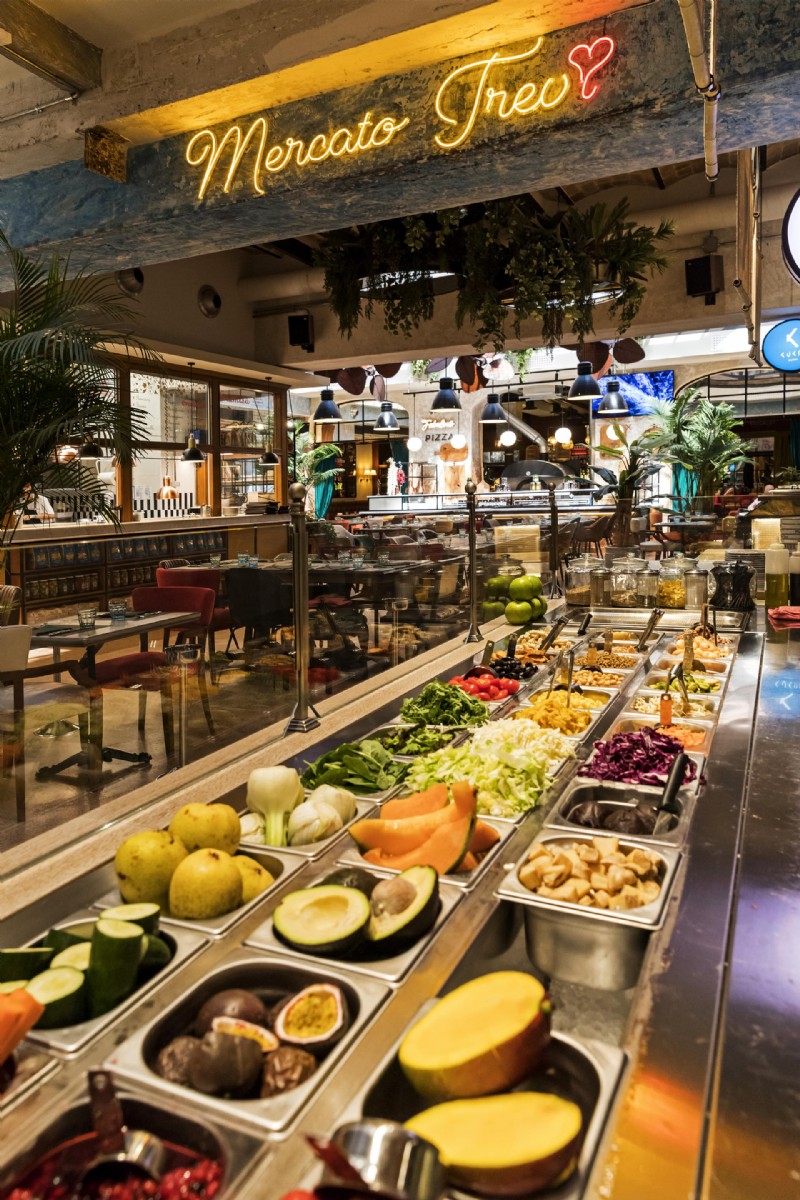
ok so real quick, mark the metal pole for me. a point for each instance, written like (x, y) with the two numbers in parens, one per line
(300, 721)
(473, 633)
(554, 589)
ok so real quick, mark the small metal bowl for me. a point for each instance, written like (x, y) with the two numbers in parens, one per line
(394, 1163)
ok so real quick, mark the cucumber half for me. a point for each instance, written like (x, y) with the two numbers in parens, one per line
(71, 935)
(145, 915)
(157, 954)
(76, 956)
(116, 951)
(62, 991)
(24, 963)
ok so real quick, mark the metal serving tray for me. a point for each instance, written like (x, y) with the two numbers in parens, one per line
(279, 863)
(468, 880)
(32, 1067)
(716, 667)
(596, 948)
(674, 619)
(594, 714)
(73, 1038)
(659, 676)
(614, 796)
(709, 700)
(172, 1122)
(391, 970)
(651, 789)
(272, 976)
(633, 722)
(457, 730)
(585, 1072)
(364, 808)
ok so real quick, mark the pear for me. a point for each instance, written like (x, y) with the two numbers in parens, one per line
(144, 865)
(255, 878)
(206, 884)
(207, 827)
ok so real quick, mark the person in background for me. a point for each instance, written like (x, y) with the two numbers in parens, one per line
(32, 505)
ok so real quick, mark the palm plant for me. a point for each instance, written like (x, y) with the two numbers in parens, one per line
(636, 466)
(307, 464)
(699, 437)
(56, 384)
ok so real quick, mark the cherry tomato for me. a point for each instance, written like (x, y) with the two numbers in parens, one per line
(493, 694)
(512, 686)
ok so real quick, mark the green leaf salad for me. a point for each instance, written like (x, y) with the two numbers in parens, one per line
(444, 704)
(509, 763)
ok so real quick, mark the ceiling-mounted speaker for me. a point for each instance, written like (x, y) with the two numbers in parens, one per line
(301, 331)
(705, 276)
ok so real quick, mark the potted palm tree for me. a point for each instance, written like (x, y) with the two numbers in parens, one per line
(56, 383)
(636, 465)
(310, 464)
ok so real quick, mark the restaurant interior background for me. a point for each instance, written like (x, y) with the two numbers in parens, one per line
(386, 253)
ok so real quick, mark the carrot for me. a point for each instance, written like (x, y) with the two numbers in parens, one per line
(19, 1012)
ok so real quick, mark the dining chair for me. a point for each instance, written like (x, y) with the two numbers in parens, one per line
(147, 670)
(10, 604)
(26, 704)
(202, 577)
(169, 563)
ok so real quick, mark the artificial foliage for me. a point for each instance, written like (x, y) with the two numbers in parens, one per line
(509, 260)
(700, 436)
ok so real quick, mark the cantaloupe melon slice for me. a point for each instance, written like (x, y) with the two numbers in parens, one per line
(504, 1145)
(401, 836)
(444, 850)
(417, 804)
(486, 1036)
(483, 837)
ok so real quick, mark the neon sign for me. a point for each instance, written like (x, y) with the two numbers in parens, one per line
(470, 92)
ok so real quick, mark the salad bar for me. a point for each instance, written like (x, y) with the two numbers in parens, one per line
(493, 912)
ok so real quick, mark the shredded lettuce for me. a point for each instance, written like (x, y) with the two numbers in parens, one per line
(509, 763)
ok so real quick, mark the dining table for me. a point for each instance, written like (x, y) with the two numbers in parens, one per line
(685, 527)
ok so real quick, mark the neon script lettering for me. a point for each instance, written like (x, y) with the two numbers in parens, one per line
(206, 149)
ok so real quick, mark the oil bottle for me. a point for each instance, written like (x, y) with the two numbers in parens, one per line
(776, 570)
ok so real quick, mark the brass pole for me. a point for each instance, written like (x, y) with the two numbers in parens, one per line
(300, 721)
(473, 633)
(553, 590)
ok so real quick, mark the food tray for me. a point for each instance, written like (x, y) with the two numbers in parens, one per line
(260, 972)
(711, 668)
(33, 1066)
(633, 722)
(364, 808)
(618, 796)
(647, 788)
(661, 677)
(594, 714)
(585, 1072)
(458, 731)
(73, 1038)
(279, 863)
(391, 970)
(468, 880)
(709, 700)
(172, 1122)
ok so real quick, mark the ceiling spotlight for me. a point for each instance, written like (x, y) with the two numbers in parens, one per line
(585, 383)
(508, 437)
(445, 399)
(613, 403)
(386, 420)
(327, 411)
(493, 412)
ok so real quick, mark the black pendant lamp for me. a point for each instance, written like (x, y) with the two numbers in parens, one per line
(192, 453)
(89, 448)
(493, 412)
(268, 458)
(327, 411)
(613, 403)
(585, 383)
(386, 420)
(445, 399)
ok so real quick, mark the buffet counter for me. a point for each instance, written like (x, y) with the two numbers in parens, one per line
(663, 1070)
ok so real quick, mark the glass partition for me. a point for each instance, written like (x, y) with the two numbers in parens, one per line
(172, 408)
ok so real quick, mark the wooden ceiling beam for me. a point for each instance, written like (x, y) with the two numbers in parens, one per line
(38, 42)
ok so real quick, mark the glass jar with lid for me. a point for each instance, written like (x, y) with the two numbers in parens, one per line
(600, 587)
(696, 584)
(625, 573)
(648, 587)
(671, 583)
(579, 572)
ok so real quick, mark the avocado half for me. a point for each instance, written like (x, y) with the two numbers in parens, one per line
(329, 919)
(404, 907)
(351, 877)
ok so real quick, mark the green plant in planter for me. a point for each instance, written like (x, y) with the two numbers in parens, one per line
(307, 464)
(511, 262)
(636, 466)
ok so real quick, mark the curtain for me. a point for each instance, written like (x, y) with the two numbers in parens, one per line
(684, 486)
(323, 491)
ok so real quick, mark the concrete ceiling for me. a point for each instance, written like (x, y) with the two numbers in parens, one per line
(109, 23)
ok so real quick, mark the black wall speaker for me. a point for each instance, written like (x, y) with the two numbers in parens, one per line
(301, 331)
(705, 276)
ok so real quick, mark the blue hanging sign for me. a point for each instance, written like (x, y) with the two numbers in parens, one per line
(781, 346)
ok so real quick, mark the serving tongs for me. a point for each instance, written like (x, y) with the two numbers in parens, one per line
(703, 628)
(668, 806)
(484, 667)
(652, 621)
(584, 625)
(552, 634)
(675, 674)
(556, 670)
(569, 687)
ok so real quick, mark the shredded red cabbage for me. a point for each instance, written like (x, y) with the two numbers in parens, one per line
(642, 757)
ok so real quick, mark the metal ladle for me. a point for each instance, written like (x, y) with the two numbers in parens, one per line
(667, 805)
(676, 673)
(120, 1150)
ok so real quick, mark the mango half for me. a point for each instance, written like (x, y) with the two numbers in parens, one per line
(486, 1036)
(504, 1145)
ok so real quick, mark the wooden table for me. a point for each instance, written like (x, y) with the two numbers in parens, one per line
(685, 528)
(106, 630)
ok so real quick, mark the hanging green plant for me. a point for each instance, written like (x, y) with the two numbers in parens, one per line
(508, 261)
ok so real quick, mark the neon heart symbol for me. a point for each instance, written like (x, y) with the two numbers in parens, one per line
(588, 60)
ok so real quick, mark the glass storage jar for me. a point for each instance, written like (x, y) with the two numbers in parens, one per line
(671, 585)
(648, 587)
(600, 587)
(696, 584)
(579, 573)
(625, 588)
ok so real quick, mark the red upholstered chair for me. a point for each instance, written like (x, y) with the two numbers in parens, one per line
(202, 577)
(143, 668)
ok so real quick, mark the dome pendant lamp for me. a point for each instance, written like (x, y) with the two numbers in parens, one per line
(192, 453)
(445, 399)
(327, 411)
(613, 403)
(89, 448)
(585, 383)
(492, 412)
(386, 420)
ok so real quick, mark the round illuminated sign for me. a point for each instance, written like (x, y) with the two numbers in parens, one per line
(791, 237)
(781, 346)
